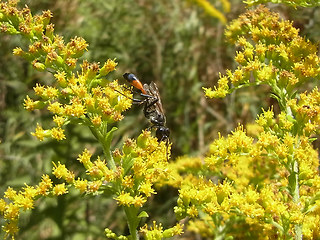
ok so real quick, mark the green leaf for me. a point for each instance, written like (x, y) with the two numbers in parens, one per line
(143, 214)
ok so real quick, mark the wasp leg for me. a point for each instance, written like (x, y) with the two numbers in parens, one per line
(134, 100)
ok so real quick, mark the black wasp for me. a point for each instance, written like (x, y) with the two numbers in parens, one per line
(152, 109)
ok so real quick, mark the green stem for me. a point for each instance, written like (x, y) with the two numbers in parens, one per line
(294, 182)
(133, 221)
(105, 139)
(296, 199)
(107, 148)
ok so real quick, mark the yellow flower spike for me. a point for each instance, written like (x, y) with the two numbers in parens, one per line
(30, 104)
(176, 230)
(3, 205)
(80, 90)
(18, 51)
(71, 63)
(40, 133)
(146, 189)
(143, 139)
(85, 159)
(10, 193)
(39, 66)
(58, 120)
(124, 199)
(128, 181)
(139, 167)
(44, 186)
(97, 91)
(237, 77)
(284, 122)
(78, 110)
(39, 90)
(129, 146)
(23, 202)
(117, 156)
(61, 79)
(58, 133)
(77, 46)
(50, 30)
(240, 58)
(12, 212)
(267, 140)
(10, 229)
(192, 211)
(95, 172)
(80, 184)
(61, 171)
(154, 233)
(56, 108)
(116, 117)
(139, 201)
(109, 66)
(96, 121)
(59, 189)
(29, 191)
(94, 186)
(91, 72)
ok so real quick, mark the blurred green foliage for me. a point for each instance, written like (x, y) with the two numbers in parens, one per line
(173, 43)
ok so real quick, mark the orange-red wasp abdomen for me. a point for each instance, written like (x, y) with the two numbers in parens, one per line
(134, 81)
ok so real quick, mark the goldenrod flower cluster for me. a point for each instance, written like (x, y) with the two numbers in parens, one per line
(271, 51)
(266, 185)
(86, 95)
(156, 232)
(254, 187)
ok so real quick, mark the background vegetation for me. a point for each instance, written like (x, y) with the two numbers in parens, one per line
(175, 43)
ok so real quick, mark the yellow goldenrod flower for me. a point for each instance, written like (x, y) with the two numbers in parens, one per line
(45, 185)
(146, 188)
(59, 189)
(128, 181)
(30, 104)
(55, 108)
(11, 228)
(40, 133)
(139, 201)
(85, 159)
(81, 185)
(109, 66)
(155, 232)
(94, 186)
(192, 211)
(96, 121)
(2, 205)
(24, 202)
(58, 120)
(18, 51)
(58, 133)
(61, 171)
(12, 212)
(10, 193)
(124, 199)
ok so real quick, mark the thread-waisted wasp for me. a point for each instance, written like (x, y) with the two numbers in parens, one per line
(152, 109)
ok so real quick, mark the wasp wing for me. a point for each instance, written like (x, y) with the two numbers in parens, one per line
(155, 92)
(152, 90)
